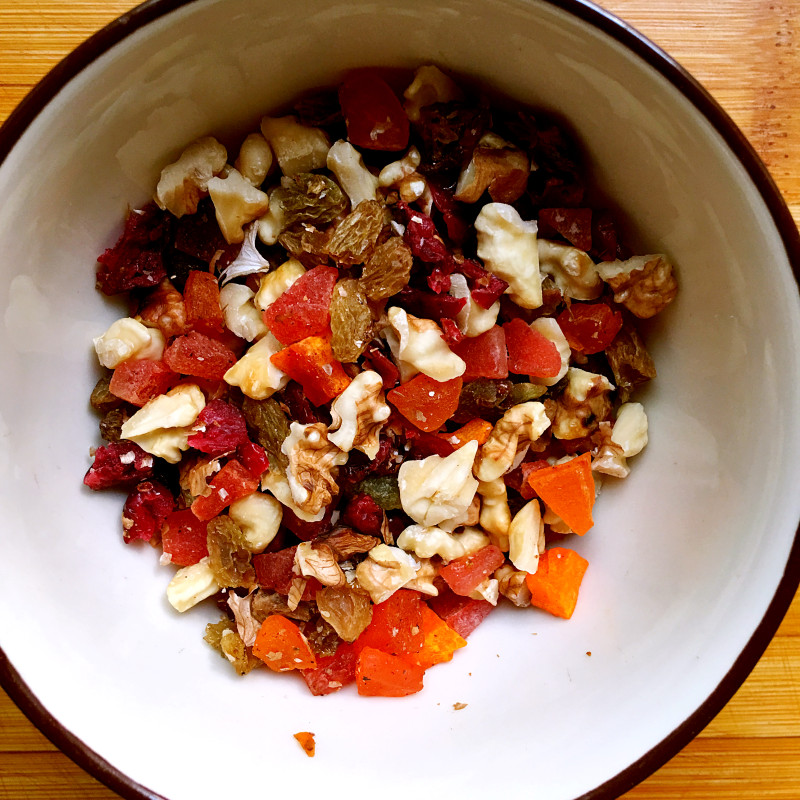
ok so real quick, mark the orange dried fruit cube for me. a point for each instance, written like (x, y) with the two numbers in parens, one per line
(555, 585)
(379, 674)
(568, 490)
(440, 641)
(426, 403)
(280, 644)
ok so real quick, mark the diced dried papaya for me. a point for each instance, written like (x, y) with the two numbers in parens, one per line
(484, 355)
(333, 672)
(530, 352)
(476, 430)
(425, 402)
(567, 489)
(380, 674)
(307, 742)
(440, 641)
(555, 585)
(138, 380)
(203, 308)
(231, 483)
(462, 614)
(199, 355)
(183, 538)
(375, 117)
(589, 327)
(464, 574)
(280, 644)
(396, 625)
(311, 363)
(304, 309)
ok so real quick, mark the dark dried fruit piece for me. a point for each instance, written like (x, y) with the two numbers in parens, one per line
(111, 424)
(223, 637)
(355, 237)
(145, 510)
(421, 235)
(309, 197)
(364, 515)
(228, 556)
(348, 612)
(482, 398)
(384, 490)
(219, 428)
(387, 270)
(629, 361)
(102, 399)
(351, 321)
(118, 464)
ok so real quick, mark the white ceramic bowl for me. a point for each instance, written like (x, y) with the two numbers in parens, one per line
(694, 558)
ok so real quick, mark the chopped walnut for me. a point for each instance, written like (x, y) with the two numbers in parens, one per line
(511, 583)
(427, 541)
(313, 465)
(297, 147)
(572, 270)
(385, 570)
(236, 203)
(435, 489)
(403, 176)
(277, 483)
(164, 308)
(511, 436)
(185, 182)
(358, 414)
(430, 86)
(645, 285)
(347, 164)
(317, 560)
(630, 429)
(496, 166)
(423, 581)
(247, 625)
(488, 589)
(255, 159)
(473, 319)
(582, 405)
(495, 516)
(609, 458)
(296, 589)
(195, 472)
(524, 535)
(471, 516)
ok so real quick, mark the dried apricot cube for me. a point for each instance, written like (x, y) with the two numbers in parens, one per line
(396, 625)
(555, 585)
(280, 644)
(203, 308)
(425, 402)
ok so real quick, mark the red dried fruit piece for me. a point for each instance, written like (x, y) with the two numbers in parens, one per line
(485, 354)
(200, 356)
(462, 614)
(138, 380)
(254, 457)
(377, 360)
(118, 464)
(184, 538)
(485, 287)
(333, 672)
(589, 327)
(382, 675)
(298, 406)
(464, 574)
(530, 352)
(573, 224)
(364, 515)
(219, 428)
(203, 309)
(396, 625)
(274, 570)
(426, 403)
(421, 235)
(422, 444)
(145, 510)
(448, 206)
(604, 236)
(198, 234)
(304, 309)
(136, 261)
(517, 479)
(429, 305)
(310, 362)
(450, 332)
(375, 117)
(307, 530)
(231, 483)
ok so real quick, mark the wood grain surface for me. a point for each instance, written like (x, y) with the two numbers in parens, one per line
(747, 54)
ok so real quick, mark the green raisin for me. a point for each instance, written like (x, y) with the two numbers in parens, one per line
(355, 237)
(228, 556)
(351, 321)
(522, 393)
(309, 197)
(224, 638)
(482, 398)
(271, 426)
(111, 424)
(102, 399)
(384, 490)
(387, 269)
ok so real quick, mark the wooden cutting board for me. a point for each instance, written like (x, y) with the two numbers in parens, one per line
(747, 53)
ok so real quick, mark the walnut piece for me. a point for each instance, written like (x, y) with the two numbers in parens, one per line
(254, 373)
(357, 182)
(511, 583)
(426, 542)
(495, 516)
(572, 270)
(496, 166)
(236, 203)
(297, 147)
(247, 626)
(385, 570)
(358, 414)
(423, 581)
(184, 182)
(609, 457)
(317, 560)
(255, 159)
(582, 405)
(511, 436)
(525, 535)
(630, 429)
(435, 489)
(164, 309)
(473, 319)
(430, 86)
(313, 466)
(645, 285)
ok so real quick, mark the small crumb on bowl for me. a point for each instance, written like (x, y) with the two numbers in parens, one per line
(307, 742)
(459, 706)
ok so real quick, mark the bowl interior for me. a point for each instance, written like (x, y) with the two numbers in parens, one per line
(685, 556)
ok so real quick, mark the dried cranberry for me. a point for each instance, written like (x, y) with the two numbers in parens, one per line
(421, 235)
(145, 510)
(118, 464)
(447, 205)
(136, 260)
(377, 360)
(359, 466)
(307, 530)
(428, 305)
(198, 235)
(452, 334)
(298, 405)
(485, 287)
(220, 427)
(254, 457)
(572, 224)
(363, 514)
(604, 236)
